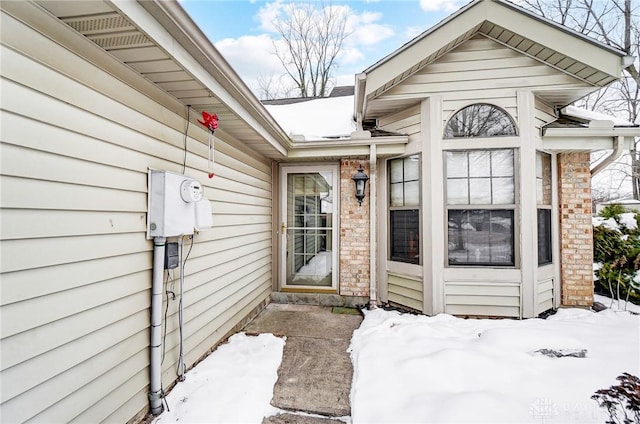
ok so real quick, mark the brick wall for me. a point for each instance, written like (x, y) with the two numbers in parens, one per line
(354, 232)
(576, 235)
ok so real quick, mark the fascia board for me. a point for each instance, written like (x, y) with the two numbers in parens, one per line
(385, 146)
(581, 144)
(412, 53)
(583, 133)
(546, 33)
(168, 42)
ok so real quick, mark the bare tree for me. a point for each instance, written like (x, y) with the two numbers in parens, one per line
(311, 38)
(617, 24)
(273, 86)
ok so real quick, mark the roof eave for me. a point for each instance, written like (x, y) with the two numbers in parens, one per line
(179, 24)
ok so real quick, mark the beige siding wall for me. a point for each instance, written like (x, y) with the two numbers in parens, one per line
(484, 299)
(544, 115)
(76, 266)
(480, 70)
(405, 122)
(544, 290)
(405, 291)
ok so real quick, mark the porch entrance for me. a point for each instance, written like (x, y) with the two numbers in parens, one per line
(308, 227)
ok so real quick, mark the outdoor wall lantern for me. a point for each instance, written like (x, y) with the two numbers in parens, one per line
(361, 181)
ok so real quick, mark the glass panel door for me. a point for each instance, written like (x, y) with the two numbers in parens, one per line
(308, 234)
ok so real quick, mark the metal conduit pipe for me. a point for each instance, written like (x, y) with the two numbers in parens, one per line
(617, 152)
(181, 366)
(155, 354)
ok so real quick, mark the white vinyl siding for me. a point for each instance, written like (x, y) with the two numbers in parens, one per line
(405, 122)
(405, 291)
(544, 290)
(484, 299)
(76, 265)
(480, 70)
(544, 115)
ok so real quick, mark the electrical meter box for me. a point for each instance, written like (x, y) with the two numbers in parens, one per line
(172, 204)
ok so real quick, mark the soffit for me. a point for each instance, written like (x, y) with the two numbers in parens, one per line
(108, 28)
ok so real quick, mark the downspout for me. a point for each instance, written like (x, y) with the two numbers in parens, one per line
(617, 152)
(373, 247)
(155, 355)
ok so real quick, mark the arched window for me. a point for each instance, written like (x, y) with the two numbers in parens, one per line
(480, 120)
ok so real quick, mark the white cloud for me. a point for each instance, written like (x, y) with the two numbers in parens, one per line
(268, 14)
(438, 5)
(250, 56)
(350, 55)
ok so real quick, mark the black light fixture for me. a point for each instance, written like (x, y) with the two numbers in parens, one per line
(361, 181)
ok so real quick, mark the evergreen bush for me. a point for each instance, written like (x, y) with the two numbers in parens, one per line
(616, 250)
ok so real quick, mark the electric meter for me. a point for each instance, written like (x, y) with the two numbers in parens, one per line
(191, 191)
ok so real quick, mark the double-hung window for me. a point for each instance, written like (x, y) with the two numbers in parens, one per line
(404, 209)
(543, 197)
(481, 207)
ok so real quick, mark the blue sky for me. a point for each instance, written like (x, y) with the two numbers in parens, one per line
(241, 30)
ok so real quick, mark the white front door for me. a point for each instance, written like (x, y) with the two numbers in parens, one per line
(309, 219)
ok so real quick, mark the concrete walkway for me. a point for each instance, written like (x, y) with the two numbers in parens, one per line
(316, 372)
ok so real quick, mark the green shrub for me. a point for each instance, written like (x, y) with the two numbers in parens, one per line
(618, 252)
(612, 211)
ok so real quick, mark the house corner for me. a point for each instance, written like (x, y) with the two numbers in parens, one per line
(354, 233)
(576, 233)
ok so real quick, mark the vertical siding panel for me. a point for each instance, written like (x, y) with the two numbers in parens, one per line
(76, 264)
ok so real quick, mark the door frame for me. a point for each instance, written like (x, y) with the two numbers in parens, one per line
(286, 169)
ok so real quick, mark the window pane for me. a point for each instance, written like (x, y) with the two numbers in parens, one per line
(411, 168)
(396, 171)
(502, 163)
(405, 236)
(544, 237)
(457, 192)
(480, 120)
(481, 237)
(503, 191)
(397, 196)
(543, 178)
(456, 164)
(412, 193)
(480, 191)
(539, 165)
(404, 181)
(539, 191)
(479, 164)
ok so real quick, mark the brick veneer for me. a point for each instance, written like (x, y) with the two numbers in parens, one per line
(576, 234)
(354, 232)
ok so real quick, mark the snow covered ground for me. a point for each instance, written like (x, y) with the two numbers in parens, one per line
(444, 369)
(232, 385)
(440, 369)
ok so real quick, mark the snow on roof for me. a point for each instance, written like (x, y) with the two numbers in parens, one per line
(621, 202)
(590, 115)
(317, 119)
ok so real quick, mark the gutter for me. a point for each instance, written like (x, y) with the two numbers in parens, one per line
(617, 152)
(386, 146)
